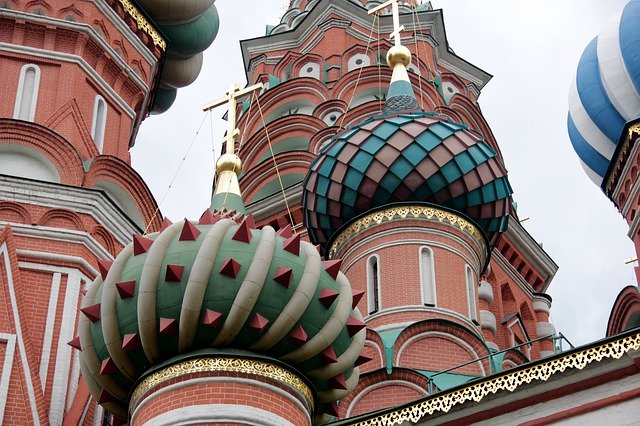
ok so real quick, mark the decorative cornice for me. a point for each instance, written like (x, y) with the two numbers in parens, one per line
(507, 382)
(627, 143)
(403, 212)
(144, 24)
(221, 365)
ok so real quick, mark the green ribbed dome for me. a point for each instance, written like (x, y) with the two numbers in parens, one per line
(219, 284)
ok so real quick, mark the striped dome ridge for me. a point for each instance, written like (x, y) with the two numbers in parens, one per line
(405, 157)
(605, 94)
(219, 283)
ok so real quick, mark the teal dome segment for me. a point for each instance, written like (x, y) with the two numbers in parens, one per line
(193, 37)
(262, 292)
(407, 157)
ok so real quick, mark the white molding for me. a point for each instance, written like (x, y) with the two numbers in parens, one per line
(472, 299)
(73, 382)
(5, 377)
(78, 60)
(432, 284)
(93, 202)
(488, 321)
(20, 92)
(4, 252)
(97, 414)
(371, 308)
(45, 358)
(36, 255)
(224, 413)
(64, 352)
(98, 124)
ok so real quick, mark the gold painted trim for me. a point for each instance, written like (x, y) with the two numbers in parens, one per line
(621, 159)
(508, 382)
(417, 212)
(227, 365)
(143, 24)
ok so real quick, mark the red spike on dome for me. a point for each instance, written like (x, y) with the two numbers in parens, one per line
(258, 323)
(250, 221)
(327, 297)
(243, 233)
(332, 267)
(130, 342)
(141, 244)
(331, 409)
(357, 296)
(126, 289)
(283, 276)
(285, 232)
(211, 318)
(165, 224)
(207, 218)
(104, 266)
(189, 232)
(168, 326)
(354, 325)
(108, 367)
(174, 273)
(104, 397)
(75, 343)
(298, 335)
(92, 312)
(292, 245)
(328, 356)
(338, 382)
(230, 268)
(362, 359)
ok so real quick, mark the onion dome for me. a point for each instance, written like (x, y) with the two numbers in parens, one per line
(219, 283)
(605, 94)
(190, 27)
(405, 155)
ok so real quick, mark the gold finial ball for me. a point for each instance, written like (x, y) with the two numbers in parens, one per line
(399, 55)
(229, 163)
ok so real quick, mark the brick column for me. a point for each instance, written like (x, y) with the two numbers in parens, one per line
(222, 390)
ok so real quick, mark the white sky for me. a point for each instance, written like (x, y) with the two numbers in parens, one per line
(532, 49)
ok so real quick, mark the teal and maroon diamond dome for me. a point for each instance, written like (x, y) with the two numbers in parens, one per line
(405, 156)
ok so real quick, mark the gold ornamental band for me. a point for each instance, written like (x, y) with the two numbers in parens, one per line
(621, 158)
(508, 382)
(143, 24)
(230, 365)
(417, 212)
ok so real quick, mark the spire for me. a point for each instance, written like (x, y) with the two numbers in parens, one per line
(400, 96)
(227, 190)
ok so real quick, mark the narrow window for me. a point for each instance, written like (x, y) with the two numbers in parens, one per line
(373, 284)
(427, 277)
(471, 293)
(99, 122)
(27, 94)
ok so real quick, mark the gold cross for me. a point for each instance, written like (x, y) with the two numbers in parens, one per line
(232, 96)
(396, 19)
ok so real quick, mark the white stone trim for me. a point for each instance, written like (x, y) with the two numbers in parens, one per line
(378, 385)
(78, 60)
(470, 284)
(488, 321)
(225, 413)
(73, 382)
(97, 414)
(20, 92)
(416, 308)
(544, 329)
(443, 335)
(485, 292)
(377, 348)
(541, 304)
(36, 255)
(63, 359)
(205, 380)
(81, 200)
(371, 302)
(4, 251)
(49, 328)
(5, 377)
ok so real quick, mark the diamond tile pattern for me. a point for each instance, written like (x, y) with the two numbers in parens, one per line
(410, 157)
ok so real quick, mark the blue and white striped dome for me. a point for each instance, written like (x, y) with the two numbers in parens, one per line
(605, 94)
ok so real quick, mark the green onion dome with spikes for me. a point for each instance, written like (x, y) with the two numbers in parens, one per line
(190, 27)
(405, 155)
(220, 284)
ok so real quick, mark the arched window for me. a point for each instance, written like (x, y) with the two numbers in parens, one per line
(373, 284)
(99, 122)
(27, 94)
(358, 60)
(471, 293)
(427, 277)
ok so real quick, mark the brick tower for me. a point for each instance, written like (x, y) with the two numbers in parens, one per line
(78, 79)
(415, 204)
